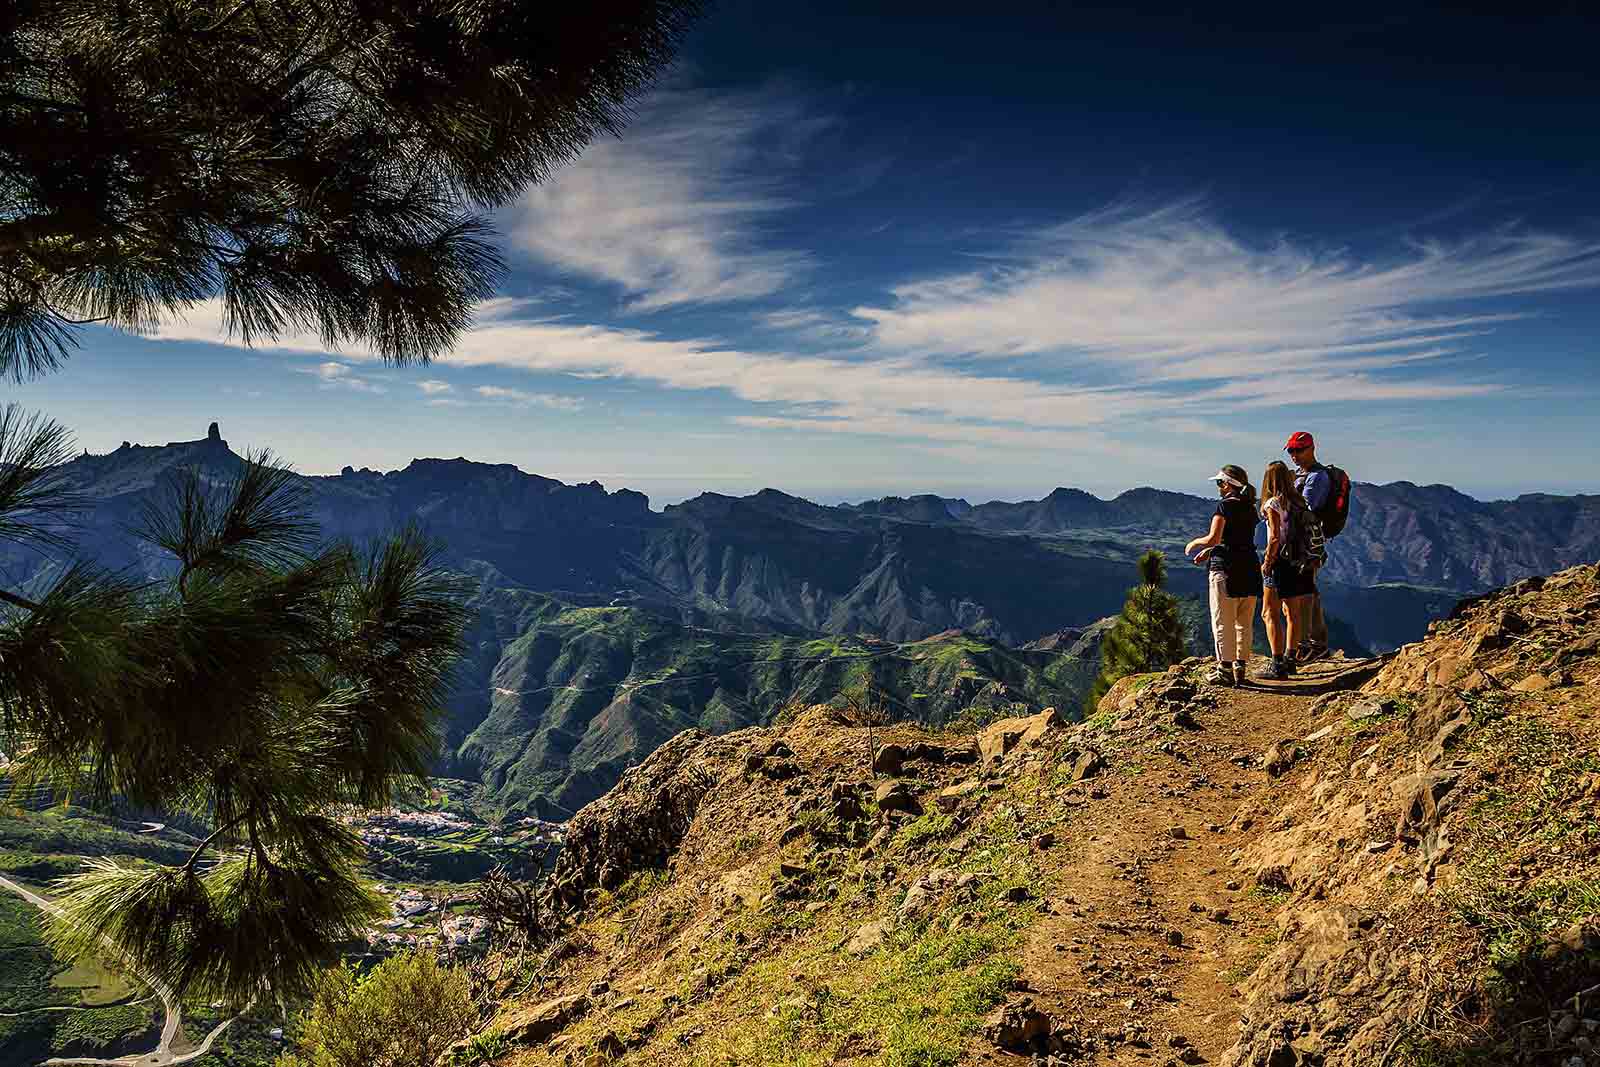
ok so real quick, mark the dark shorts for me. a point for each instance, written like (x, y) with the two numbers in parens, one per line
(1290, 581)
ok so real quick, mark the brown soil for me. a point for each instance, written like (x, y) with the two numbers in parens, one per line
(1106, 960)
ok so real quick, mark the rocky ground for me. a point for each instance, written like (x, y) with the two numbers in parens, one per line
(1378, 863)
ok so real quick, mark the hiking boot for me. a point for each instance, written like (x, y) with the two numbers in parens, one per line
(1279, 671)
(1239, 674)
(1220, 675)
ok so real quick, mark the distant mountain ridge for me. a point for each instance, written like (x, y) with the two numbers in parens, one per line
(1430, 535)
(898, 567)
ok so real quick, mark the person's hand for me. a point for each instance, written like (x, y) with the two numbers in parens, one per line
(1203, 555)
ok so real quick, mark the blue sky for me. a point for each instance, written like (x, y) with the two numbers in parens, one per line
(852, 249)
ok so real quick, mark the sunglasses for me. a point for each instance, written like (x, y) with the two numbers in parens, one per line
(1292, 451)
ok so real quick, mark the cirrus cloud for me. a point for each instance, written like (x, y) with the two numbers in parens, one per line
(1167, 294)
(526, 399)
(672, 212)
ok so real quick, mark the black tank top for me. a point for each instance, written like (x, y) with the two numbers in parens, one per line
(1238, 533)
(1236, 556)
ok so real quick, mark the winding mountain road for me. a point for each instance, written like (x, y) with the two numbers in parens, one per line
(171, 1030)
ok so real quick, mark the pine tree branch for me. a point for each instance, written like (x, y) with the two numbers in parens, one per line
(225, 19)
(19, 601)
(71, 321)
(256, 846)
(41, 102)
(218, 832)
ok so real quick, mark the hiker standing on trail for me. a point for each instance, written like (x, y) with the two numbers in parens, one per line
(1286, 582)
(1315, 487)
(1235, 573)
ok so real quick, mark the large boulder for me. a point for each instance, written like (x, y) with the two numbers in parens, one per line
(544, 1021)
(889, 759)
(638, 825)
(1018, 1028)
(951, 797)
(1086, 764)
(867, 938)
(895, 795)
(998, 740)
(925, 890)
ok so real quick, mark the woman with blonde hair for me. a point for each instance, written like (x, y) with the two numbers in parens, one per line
(1286, 584)
(1229, 549)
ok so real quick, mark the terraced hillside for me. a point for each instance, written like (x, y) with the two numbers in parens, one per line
(578, 694)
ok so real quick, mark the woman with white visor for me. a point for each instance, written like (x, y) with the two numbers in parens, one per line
(1235, 578)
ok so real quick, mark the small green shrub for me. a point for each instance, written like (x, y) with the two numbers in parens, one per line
(480, 1049)
(924, 829)
(404, 1013)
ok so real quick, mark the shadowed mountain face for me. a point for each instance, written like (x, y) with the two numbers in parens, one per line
(535, 531)
(898, 567)
(840, 571)
(1433, 535)
(604, 628)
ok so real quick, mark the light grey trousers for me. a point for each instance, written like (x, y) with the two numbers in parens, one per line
(1233, 621)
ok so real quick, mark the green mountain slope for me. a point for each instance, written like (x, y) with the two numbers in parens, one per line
(577, 694)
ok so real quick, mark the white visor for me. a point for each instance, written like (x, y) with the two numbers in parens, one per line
(1224, 476)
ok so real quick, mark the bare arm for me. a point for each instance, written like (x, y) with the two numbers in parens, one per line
(1211, 540)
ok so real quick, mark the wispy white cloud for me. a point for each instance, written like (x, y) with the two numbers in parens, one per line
(672, 211)
(860, 394)
(815, 325)
(435, 387)
(524, 398)
(1168, 295)
(334, 374)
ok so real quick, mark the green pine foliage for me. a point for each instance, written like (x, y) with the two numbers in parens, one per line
(1148, 634)
(268, 684)
(325, 166)
(404, 1013)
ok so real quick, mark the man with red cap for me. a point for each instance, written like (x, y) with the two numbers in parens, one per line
(1312, 479)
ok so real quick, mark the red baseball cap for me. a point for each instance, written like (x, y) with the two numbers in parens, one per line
(1299, 439)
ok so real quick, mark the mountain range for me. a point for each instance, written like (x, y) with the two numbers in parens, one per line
(1424, 535)
(604, 627)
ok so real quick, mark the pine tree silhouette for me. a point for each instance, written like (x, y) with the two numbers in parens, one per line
(270, 682)
(316, 166)
(1148, 634)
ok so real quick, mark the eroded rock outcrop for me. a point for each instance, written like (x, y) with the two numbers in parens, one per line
(1443, 821)
(638, 825)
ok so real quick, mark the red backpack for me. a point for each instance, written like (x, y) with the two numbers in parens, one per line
(1336, 509)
